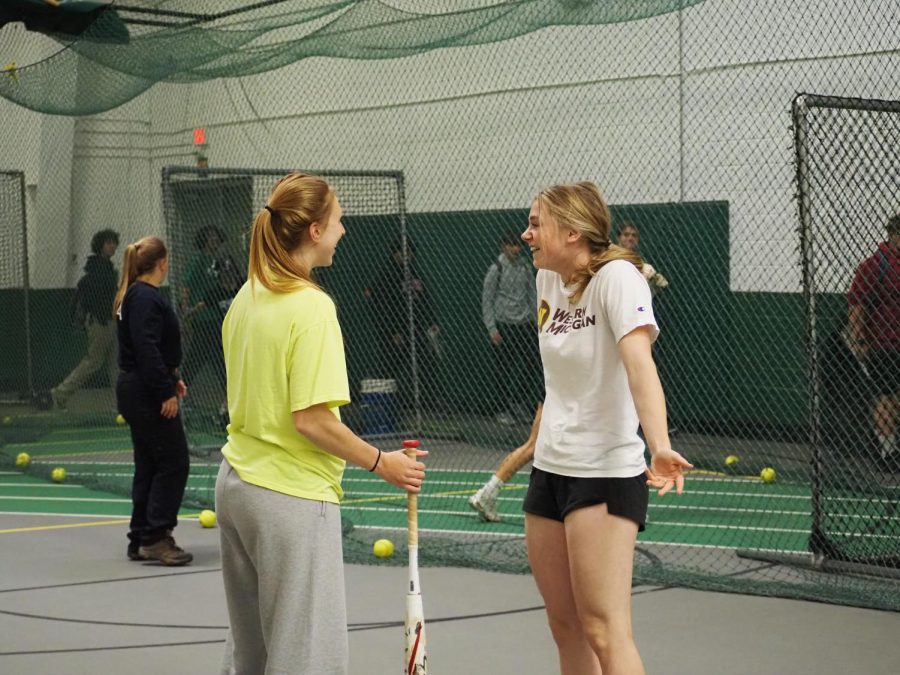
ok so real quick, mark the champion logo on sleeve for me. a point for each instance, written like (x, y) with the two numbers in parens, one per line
(640, 309)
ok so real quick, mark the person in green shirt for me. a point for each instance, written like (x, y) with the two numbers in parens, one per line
(210, 282)
(279, 486)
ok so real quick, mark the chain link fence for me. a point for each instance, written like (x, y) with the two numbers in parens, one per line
(14, 286)
(848, 176)
(437, 125)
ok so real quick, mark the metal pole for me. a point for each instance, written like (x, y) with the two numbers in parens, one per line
(26, 284)
(808, 266)
(680, 106)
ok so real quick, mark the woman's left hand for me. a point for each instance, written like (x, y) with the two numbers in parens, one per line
(666, 471)
(169, 407)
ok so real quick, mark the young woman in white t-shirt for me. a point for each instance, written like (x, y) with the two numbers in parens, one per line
(587, 496)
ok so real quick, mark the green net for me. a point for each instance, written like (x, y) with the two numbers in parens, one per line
(437, 122)
(132, 46)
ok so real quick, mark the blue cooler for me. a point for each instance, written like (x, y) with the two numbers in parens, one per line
(379, 411)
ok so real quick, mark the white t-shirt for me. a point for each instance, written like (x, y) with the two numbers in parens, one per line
(589, 425)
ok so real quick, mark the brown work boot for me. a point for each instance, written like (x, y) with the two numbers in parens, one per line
(167, 552)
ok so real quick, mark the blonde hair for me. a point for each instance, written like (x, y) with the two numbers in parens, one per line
(582, 208)
(140, 257)
(295, 203)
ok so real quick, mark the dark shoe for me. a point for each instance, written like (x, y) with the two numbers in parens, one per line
(166, 552)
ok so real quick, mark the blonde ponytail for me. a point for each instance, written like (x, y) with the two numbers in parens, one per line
(582, 207)
(140, 258)
(295, 203)
(600, 258)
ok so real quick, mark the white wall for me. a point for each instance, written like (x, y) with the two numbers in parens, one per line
(41, 147)
(113, 180)
(21, 127)
(485, 127)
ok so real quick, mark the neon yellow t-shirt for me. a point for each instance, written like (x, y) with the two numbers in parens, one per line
(283, 352)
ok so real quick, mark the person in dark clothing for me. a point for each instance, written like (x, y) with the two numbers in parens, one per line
(149, 391)
(93, 310)
(874, 322)
(212, 279)
(508, 309)
(397, 285)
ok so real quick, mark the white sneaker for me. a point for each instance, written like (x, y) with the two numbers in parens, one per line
(487, 508)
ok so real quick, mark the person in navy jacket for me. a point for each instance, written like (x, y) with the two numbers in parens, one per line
(149, 392)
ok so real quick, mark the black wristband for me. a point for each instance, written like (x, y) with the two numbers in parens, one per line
(377, 459)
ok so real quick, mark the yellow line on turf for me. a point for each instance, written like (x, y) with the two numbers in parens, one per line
(58, 514)
(84, 431)
(386, 498)
(63, 455)
(446, 493)
(78, 441)
(390, 498)
(63, 527)
(719, 474)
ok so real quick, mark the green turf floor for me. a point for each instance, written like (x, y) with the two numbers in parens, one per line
(716, 511)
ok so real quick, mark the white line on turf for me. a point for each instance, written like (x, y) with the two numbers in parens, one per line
(15, 485)
(17, 498)
(513, 535)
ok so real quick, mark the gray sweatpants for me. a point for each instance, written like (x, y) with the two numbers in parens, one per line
(282, 563)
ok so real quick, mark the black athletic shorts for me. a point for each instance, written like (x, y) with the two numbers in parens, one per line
(884, 368)
(553, 496)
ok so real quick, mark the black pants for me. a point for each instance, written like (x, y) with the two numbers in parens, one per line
(161, 463)
(520, 375)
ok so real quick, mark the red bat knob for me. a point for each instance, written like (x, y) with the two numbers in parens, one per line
(411, 443)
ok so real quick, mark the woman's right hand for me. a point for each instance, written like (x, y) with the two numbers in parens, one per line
(398, 469)
(170, 407)
(666, 471)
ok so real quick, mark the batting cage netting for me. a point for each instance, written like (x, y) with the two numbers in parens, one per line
(768, 220)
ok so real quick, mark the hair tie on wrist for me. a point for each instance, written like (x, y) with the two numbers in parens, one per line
(377, 459)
